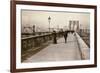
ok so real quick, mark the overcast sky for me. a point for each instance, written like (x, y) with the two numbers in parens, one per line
(61, 19)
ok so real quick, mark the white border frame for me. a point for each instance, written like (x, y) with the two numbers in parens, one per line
(20, 65)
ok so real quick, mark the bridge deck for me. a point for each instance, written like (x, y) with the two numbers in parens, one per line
(58, 52)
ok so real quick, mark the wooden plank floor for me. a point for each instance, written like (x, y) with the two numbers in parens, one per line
(58, 52)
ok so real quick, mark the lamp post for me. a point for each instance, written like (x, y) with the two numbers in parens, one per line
(33, 30)
(49, 19)
(74, 22)
(70, 22)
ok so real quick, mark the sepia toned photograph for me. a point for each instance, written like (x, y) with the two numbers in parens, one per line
(52, 36)
(48, 36)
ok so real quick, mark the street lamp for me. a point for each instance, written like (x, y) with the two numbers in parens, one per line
(33, 30)
(49, 19)
(74, 22)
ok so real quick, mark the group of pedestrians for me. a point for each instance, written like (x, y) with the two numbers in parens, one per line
(65, 34)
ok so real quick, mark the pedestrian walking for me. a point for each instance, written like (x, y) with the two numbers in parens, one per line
(65, 36)
(54, 37)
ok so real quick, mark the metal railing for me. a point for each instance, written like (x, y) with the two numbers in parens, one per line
(83, 48)
(37, 40)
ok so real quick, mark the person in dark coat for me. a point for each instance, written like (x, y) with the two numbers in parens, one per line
(54, 37)
(65, 36)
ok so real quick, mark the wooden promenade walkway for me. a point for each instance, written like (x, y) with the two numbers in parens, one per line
(58, 52)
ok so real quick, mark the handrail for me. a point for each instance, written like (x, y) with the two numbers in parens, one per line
(35, 36)
(84, 49)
